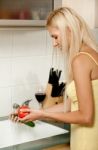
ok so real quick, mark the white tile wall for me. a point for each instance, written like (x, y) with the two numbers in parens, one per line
(5, 43)
(86, 9)
(25, 59)
(5, 101)
(5, 71)
(34, 42)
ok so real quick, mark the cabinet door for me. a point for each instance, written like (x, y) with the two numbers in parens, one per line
(24, 12)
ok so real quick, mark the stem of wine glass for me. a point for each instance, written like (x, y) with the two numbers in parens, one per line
(40, 105)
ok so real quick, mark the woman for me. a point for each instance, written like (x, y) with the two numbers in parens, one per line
(72, 36)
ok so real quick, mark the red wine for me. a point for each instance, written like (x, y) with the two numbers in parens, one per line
(40, 96)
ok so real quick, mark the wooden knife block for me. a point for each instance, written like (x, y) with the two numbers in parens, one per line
(49, 100)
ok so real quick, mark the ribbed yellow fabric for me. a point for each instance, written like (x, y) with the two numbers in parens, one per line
(83, 137)
(90, 56)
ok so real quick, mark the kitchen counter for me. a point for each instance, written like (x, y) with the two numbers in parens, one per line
(22, 137)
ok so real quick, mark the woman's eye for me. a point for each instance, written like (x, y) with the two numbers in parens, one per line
(55, 37)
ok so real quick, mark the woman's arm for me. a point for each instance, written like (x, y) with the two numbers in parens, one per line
(37, 113)
(85, 113)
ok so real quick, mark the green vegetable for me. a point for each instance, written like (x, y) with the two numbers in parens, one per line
(30, 123)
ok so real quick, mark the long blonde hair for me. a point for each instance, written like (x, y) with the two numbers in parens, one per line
(64, 18)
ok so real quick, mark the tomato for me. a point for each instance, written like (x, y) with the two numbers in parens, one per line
(22, 114)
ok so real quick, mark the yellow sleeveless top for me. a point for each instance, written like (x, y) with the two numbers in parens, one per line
(83, 137)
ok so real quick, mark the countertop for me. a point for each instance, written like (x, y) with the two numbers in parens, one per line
(45, 135)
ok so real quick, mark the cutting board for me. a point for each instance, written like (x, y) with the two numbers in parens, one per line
(12, 134)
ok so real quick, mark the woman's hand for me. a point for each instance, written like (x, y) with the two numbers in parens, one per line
(32, 115)
(14, 116)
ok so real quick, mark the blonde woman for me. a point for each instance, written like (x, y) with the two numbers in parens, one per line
(72, 36)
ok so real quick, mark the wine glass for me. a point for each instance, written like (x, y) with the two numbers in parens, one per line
(40, 95)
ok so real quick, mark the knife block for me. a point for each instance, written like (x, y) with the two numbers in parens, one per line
(49, 100)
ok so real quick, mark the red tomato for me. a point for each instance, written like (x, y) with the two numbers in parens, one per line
(22, 114)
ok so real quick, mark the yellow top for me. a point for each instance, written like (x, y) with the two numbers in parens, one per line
(89, 55)
(84, 137)
(71, 92)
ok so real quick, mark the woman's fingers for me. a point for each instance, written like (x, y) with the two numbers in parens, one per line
(26, 118)
(14, 117)
(31, 116)
(25, 110)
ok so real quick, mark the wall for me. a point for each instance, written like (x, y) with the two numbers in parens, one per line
(25, 59)
(86, 8)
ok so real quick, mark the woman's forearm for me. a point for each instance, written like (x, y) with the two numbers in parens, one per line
(75, 117)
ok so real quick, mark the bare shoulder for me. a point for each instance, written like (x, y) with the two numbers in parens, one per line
(81, 66)
(81, 61)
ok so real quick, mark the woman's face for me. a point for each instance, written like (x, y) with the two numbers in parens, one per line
(56, 37)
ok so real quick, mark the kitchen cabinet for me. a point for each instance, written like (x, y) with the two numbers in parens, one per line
(26, 12)
(34, 12)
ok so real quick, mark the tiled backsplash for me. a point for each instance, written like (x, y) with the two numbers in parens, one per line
(25, 59)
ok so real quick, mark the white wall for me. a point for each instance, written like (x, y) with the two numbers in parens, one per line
(25, 59)
(86, 8)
